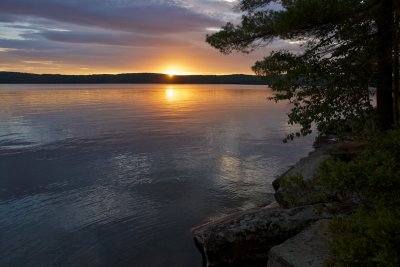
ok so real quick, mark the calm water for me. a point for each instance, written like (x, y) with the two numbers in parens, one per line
(116, 175)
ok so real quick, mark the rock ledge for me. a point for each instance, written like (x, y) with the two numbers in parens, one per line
(283, 234)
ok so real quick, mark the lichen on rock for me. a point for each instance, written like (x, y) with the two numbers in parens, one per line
(244, 238)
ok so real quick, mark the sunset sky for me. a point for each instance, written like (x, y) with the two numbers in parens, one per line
(118, 36)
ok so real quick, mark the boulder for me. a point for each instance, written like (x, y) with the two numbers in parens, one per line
(307, 249)
(294, 192)
(293, 188)
(244, 238)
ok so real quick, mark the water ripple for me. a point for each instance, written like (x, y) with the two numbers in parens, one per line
(116, 175)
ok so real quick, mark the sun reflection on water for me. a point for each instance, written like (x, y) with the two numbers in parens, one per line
(173, 94)
(170, 94)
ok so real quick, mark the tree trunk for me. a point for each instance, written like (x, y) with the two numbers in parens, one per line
(384, 96)
(396, 69)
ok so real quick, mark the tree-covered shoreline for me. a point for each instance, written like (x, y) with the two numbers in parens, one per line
(29, 78)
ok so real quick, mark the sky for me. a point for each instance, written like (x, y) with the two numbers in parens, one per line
(119, 36)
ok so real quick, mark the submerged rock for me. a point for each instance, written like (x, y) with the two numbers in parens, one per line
(307, 249)
(244, 238)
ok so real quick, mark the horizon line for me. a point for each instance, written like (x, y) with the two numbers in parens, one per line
(122, 73)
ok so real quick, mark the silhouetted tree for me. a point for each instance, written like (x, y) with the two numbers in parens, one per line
(347, 47)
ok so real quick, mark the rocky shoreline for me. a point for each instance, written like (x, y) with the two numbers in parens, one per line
(291, 231)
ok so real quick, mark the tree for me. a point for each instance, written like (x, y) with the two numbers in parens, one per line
(396, 62)
(347, 48)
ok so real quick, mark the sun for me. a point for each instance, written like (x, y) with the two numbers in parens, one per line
(172, 72)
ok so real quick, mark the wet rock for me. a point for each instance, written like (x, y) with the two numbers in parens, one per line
(244, 238)
(307, 249)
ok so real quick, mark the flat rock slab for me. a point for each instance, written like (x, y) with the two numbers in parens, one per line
(306, 249)
(244, 238)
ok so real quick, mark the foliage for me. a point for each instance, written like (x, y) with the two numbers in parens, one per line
(294, 180)
(343, 52)
(290, 185)
(295, 188)
(319, 91)
(374, 174)
(369, 184)
(371, 235)
(366, 238)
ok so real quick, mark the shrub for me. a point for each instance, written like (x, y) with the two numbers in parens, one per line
(370, 236)
(374, 174)
(366, 238)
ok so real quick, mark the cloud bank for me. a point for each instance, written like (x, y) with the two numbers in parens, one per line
(93, 36)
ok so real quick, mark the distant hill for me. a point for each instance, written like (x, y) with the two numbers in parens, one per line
(28, 78)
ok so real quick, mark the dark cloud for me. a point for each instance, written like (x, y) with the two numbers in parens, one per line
(115, 36)
(148, 17)
(29, 45)
(107, 38)
(6, 18)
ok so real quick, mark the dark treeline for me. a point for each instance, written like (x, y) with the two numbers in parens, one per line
(28, 78)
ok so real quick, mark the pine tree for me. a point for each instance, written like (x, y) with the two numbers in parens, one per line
(348, 47)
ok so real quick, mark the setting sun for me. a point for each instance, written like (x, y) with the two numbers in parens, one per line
(173, 71)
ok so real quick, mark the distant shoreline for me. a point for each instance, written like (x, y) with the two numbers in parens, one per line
(128, 78)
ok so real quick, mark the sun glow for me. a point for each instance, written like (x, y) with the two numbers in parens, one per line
(173, 71)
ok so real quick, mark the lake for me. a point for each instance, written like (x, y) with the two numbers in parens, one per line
(117, 175)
